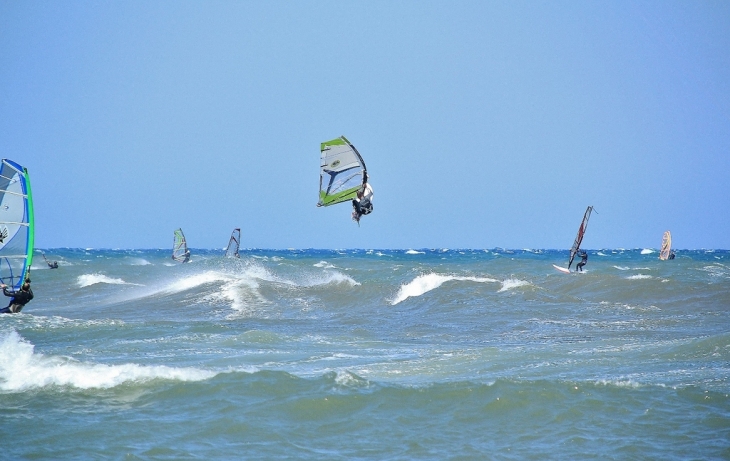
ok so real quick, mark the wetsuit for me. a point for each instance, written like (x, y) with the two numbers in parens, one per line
(18, 300)
(364, 205)
(583, 261)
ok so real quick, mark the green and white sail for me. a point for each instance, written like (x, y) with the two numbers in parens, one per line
(16, 224)
(180, 247)
(342, 172)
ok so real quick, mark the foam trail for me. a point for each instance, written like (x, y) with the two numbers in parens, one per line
(427, 282)
(22, 369)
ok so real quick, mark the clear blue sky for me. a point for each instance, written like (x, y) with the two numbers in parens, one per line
(483, 124)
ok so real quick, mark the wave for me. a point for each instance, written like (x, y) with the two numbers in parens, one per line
(21, 369)
(510, 284)
(92, 279)
(639, 277)
(414, 252)
(139, 262)
(427, 282)
(647, 251)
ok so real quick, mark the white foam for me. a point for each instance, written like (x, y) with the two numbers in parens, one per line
(600, 253)
(324, 264)
(22, 369)
(647, 251)
(196, 280)
(414, 252)
(427, 282)
(621, 268)
(639, 277)
(328, 277)
(92, 279)
(509, 284)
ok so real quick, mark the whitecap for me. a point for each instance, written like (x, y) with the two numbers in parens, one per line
(513, 283)
(427, 282)
(647, 251)
(414, 252)
(638, 277)
(92, 279)
(21, 369)
(324, 264)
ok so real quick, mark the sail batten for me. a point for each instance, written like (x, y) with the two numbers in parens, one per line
(342, 172)
(579, 237)
(16, 224)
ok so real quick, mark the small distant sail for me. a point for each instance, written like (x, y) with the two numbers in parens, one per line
(233, 244)
(579, 238)
(666, 246)
(180, 251)
(342, 172)
(16, 224)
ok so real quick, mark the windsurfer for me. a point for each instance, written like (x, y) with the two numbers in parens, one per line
(583, 260)
(186, 256)
(363, 203)
(18, 299)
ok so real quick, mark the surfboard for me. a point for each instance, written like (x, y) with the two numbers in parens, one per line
(562, 269)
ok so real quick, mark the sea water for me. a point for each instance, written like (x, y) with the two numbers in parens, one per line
(380, 354)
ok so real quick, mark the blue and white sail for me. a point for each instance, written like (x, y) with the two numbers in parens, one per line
(16, 224)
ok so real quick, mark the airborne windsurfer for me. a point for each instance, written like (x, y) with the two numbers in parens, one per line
(18, 298)
(363, 203)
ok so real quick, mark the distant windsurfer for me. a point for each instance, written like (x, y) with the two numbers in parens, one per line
(583, 260)
(186, 256)
(672, 255)
(363, 203)
(53, 265)
(18, 299)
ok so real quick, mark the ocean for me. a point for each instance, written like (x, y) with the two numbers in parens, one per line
(426, 354)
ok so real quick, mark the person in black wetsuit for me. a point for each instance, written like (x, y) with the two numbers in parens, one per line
(583, 260)
(18, 299)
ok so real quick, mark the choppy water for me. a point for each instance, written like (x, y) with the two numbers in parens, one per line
(427, 354)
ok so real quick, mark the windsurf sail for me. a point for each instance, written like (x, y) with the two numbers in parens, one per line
(666, 246)
(579, 238)
(16, 224)
(180, 251)
(233, 244)
(342, 172)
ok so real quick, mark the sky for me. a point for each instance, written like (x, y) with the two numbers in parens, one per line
(483, 124)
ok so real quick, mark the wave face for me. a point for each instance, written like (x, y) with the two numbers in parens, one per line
(370, 354)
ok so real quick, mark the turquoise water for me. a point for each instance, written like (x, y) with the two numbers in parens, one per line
(426, 354)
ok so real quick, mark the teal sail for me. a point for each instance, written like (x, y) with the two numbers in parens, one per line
(16, 224)
(180, 251)
(342, 172)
